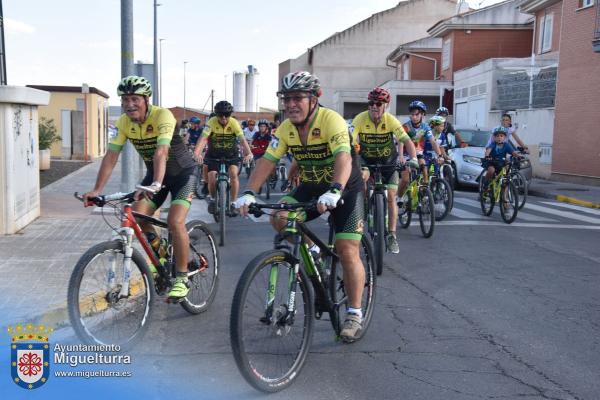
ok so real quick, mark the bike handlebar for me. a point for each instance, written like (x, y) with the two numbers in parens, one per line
(101, 200)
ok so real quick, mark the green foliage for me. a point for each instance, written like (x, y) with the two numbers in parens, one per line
(47, 133)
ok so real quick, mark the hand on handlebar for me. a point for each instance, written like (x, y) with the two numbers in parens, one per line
(244, 201)
(248, 158)
(87, 196)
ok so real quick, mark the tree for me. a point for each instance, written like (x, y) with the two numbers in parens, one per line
(47, 133)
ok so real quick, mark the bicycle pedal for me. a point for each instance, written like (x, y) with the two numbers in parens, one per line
(173, 300)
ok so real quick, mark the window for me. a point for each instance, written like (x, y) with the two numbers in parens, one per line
(446, 54)
(586, 3)
(545, 39)
(405, 70)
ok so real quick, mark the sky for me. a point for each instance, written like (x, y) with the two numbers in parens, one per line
(70, 42)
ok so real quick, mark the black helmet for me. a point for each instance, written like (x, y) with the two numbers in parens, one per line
(223, 108)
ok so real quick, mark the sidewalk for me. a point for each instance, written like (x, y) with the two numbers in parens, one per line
(582, 195)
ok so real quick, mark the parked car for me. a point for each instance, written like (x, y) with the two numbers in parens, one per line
(466, 161)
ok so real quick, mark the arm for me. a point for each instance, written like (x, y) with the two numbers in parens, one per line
(342, 168)
(247, 150)
(518, 139)
(410, 148)
(264, 168)
(199, 147)
(106, 167)
(160, 162)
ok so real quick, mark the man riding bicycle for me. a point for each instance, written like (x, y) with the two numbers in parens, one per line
(170, 168)
(222, 133)
(319, 141)
(378, 134)
(194, 132)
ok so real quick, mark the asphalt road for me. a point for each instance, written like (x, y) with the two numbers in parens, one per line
(482, 310)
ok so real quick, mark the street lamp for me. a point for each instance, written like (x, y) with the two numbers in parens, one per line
(184, 65)
(156, 97)
(160, 76)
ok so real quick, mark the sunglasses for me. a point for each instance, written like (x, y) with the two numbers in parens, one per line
(375, 103)
(226, 115)
(295, 99)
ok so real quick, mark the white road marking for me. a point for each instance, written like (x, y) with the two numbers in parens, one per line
(520, 214)
(564, 214)
(574, 207)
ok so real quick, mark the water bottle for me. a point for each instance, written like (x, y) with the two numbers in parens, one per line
(154, 240)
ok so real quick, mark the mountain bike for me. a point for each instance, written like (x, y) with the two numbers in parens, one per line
(499, 190)
(419, 199)
(112, 289)
(376, 211)
(222, 194)
(518, 179)
(279, 295)
(443, 198)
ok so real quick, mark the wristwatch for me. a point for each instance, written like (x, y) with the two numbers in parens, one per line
(335, 186)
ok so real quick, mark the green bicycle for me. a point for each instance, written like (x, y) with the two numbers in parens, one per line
(502, 188)
(419, 198)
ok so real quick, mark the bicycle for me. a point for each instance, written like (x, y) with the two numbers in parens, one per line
(222, 194)
(420, 199)
(376, 211)
(500, 188)
(519, 179)
(442, 191)
(280, 292)
(111, 290)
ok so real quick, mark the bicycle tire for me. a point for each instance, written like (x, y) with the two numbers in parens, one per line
(442, 196)
(198, 189)
(426, 212)
(447, 173)
(248, 307)
(379, 231)
(337, 288)
(92, 324)
(405, 212)
(223, 210)
(513, 201)
(204, 283)
(522, 187)
(268, 194)
(486, 197)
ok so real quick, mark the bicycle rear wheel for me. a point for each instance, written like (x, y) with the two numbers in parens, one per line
(203, 266)
(223, 209)
(521, 186)
(98, 314)
(486, 196)
(378, 210)
(509, 202)
(426, 212)
(442, 197)
(337, 289)
(270, 344)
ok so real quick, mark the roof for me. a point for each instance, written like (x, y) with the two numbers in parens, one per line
(68, 89)
(531, 6)
(424, 45)
(504, 15)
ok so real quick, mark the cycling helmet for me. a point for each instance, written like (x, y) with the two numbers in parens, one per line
(417, 105)
(195, 120)
(379, 94)
(212, 114)
(263, 122)
(437, 120)
(442, 110)
(301, 81)
(498, 130)
(223, 108)
(251, 122)
(134, 85)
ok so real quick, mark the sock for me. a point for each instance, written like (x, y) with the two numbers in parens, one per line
(315, 249)
(181, 275)
(355, 311)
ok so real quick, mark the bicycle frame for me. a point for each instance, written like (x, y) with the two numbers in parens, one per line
(496, 185)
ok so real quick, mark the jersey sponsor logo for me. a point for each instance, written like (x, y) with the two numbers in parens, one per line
(274, 142)
(383, 126)
(316, 133)
(228, 130)
(149, 129)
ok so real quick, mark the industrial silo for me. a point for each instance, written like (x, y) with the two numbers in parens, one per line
(252, 89)
(239, 91)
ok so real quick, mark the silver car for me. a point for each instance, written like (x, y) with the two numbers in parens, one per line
(466, 161)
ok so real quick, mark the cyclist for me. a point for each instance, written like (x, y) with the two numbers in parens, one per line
(378, 133)
(449, 128)
(496, 152)
(250, 130)
(319, 141)
(261, 139)
(420, 133)
(511, 132)
(437, 124)
(194, 132)
(170, 167)
(222, 133)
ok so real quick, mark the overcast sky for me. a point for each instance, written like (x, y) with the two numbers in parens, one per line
(68, 42)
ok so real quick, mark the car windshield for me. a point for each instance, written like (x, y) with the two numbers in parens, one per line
(474, 138)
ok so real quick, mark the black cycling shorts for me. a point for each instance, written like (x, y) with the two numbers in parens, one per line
(213, 165)
(181, 186)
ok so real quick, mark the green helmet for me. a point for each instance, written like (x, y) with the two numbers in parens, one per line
(437, 120)
(134, 85)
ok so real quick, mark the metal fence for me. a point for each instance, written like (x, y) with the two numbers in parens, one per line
(515, 89)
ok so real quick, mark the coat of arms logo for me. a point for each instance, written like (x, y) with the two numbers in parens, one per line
(30, 355)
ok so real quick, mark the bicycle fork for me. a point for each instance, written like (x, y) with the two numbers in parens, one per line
(125, 236)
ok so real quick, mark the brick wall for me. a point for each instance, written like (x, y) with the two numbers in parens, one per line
(576, 132)
(468, 49)
(422, 69)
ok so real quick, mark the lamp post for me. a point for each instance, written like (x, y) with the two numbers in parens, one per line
(160, 76)
(156, 97)
(184, 65)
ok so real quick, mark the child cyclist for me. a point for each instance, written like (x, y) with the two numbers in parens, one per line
(496, 152)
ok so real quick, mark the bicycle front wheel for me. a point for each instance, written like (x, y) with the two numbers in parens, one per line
(99, 311)
(203, 268)
(521, 186)
(486, 195)
(379, 231)
(509, 202)
(426, 211)
(405, 211)
(337, 288)
(270, 341)
(442, 197)
(223, 208)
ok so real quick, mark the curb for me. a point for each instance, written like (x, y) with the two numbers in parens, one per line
(564, 199)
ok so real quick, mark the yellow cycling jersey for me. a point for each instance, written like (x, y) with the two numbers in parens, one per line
(327, 136)
(223, 139)
(377, 141)
(157, 129)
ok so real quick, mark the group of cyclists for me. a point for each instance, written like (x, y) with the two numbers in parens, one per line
(327, 157)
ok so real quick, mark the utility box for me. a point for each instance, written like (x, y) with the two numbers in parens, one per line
(19, 156)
